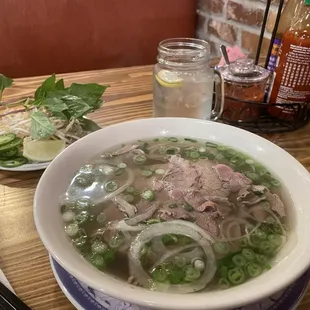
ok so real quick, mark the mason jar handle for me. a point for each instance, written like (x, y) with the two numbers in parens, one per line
(219, 97)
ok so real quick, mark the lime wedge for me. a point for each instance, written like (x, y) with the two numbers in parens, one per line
(168, 78)
(44, 150)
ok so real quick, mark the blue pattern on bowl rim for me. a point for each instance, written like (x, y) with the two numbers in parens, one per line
(90, 299)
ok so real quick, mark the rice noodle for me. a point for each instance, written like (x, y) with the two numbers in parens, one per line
(173, 227)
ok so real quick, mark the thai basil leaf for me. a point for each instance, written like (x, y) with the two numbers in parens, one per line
(47, 85)
(77, 107)
(5, 82)
(41, 127)
(89, 125)
(60, 84)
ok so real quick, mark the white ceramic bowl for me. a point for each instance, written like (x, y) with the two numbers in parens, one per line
(293, 259)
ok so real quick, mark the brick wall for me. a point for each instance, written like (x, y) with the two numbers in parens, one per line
(233, 22)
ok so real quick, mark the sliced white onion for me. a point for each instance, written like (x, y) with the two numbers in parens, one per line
(179, 228)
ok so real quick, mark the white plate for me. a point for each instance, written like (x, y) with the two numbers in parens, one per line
(28, 167)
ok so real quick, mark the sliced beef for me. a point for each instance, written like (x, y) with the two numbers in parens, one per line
(209, 181)
(175, 214)
(275, 203)
(181, 173)
(236, 181)
(257, 193)
(207, 221)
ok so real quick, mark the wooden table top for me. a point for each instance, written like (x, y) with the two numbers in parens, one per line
(23, 257)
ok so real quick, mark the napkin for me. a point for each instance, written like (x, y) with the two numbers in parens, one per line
(5, 281)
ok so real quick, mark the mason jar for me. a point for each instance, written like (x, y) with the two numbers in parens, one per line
(183, 81)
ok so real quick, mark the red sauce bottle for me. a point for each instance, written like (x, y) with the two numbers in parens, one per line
(291, 82)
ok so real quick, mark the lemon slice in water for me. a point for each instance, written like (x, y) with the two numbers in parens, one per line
(42, 151)
(168, 78)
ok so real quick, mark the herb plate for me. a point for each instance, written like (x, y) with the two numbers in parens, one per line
(84, 297)
(27, 167)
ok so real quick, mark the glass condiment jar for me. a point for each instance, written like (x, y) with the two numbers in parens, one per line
(244, 83)
(183, 81)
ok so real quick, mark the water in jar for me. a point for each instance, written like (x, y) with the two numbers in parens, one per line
(183, 94)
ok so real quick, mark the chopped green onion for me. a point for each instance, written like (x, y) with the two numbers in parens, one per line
(146, 173)
(223, 283)
(156, 139)
(153, 221)
(190, 140)
(173, 150)
(98, 261)
(188, 207)
(191, 274)
(130, 190)
(184, 240)
(111, 186)
(72, 230)
(159, 274)
(175, 275)
(261, 259)
(223, 271)
(122, 165)
(109, 256)
(221, 148)
(173, 206)
(129, 198)
(260, 234)
(148, 195)
(169, 239)
(210, 156)
(139, 159)
(119, 171)
(83, 204)
(64, 208)
(243, 242)
(180, 261)
(160, 171)
(267, 247)
(221, 247)
(275, 183)
(239, 260)
(236, 276)
(275, 239)
(99, 247)
(116, 242)
(254, 269)
(248, 254)
(199, 264)
(101, 218)
(210, 144)
(68, 216)
(80, 241)
(249, 161)
(173, 139)
(85, 179)
(194, 155)
(275, 227)
(81, 218)
(252, 176)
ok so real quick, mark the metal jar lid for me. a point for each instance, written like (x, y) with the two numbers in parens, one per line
(244, 71)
